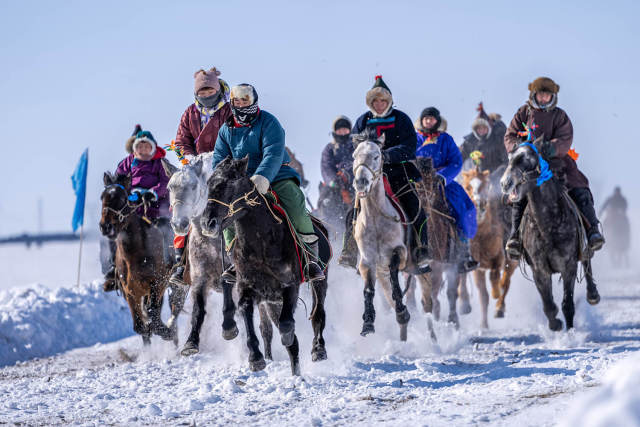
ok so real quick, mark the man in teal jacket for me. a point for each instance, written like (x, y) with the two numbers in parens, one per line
(258, 134)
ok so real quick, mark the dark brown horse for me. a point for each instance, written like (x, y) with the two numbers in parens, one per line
(142, 269)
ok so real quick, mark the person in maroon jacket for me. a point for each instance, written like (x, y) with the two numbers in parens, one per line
(198, 132)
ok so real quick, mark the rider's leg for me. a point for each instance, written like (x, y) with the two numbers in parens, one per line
(349, 255)
(466, 261)
(293, 202)
(179, 243)
(584, 200)
(110, 275)
(514, 244)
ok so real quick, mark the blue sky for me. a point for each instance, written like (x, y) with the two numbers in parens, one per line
(79, 74)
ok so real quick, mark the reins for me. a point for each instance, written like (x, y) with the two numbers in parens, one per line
(251, 202)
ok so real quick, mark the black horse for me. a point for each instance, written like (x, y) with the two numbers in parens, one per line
(266, 261)
(551, 231)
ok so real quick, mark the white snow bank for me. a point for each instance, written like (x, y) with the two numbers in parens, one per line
(38, 322)
(616, 403)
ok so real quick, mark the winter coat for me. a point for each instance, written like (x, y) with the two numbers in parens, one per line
(447, 161)
(555, 126)
(491, 147)
(336, 157)
(263, 141)
(149, 175)
(191, 138)
(399, 144)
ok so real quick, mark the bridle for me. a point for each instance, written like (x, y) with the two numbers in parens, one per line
(250, 202)
(120, 212)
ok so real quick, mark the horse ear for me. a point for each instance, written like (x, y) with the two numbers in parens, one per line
(485, 173)
(107, 179)
(124, 180)
(169, 169)
(197, 165)
(242, 164)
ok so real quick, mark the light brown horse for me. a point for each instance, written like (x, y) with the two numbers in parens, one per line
(141, 268)
(487, 246)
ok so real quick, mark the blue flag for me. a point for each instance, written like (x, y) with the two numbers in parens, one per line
(79, 181)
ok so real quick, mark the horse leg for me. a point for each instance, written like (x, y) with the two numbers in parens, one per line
(256, 361)
(483, 295)
(410, 286)
(155, 307)
(543, 284)
(266, 330)
(402, 314)
(593, 297)
(369, 315)
(229, 327)
(463, 293)
(505, 283)
(286, 322)
(452, 296)
(568, 307)
(425, 284)
(318, 319)
(138, 324)
(436, 285)
(293, 350)
(177, 297)
(199, 294)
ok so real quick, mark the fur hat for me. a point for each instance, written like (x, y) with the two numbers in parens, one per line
(129, 144)
(245, 91)
(341, 122)
(145, 136)
(543, 84)
(379, 90)
(480, 122)
(206, 79)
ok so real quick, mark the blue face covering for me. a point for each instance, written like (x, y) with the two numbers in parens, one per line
(545, 172)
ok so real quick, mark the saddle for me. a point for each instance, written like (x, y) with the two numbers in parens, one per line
(324, 247)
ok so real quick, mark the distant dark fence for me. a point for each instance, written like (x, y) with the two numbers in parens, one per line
(39, 239)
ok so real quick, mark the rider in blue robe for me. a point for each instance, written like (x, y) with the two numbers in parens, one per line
(447, 160)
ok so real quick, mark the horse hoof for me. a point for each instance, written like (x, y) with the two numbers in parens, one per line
(555, 325)
(367, 328)
(466, 308)
(189, 349)
(229, 334)
(318, 355)
(257, 365)
(403, 332)
(403, 317)
(267, 355)
(454, 320)
(594, 298)
(499, 314)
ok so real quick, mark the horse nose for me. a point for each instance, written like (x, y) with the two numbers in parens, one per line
(361, 183)
(180, 224)
(106, 228)
(208, 224)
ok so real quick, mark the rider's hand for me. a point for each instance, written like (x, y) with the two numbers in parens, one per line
(333, 183)
(261, 183)
(149, 196)
(135, 196)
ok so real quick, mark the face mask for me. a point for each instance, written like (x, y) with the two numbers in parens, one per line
(209, 101)
(245, 115)
(341, 139)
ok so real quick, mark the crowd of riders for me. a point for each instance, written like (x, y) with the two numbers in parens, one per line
(228, 121)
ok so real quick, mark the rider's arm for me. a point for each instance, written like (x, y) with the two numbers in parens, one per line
(406, 149)
(161, 187)
(511, 138)
(272, 148)
(184, 138)
(562, 136)
(124, 167)
(221, 150)
(328, 165)
(453, 159)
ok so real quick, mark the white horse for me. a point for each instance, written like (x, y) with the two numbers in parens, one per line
(380, 236)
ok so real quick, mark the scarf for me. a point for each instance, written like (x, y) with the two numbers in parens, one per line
(243, 116)
(430, 136)
(207, 112)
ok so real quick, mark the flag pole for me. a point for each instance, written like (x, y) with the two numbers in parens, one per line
(80, 254)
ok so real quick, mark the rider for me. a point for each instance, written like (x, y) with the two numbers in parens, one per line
(447, 160)
(197, 133)
(398, 150)
(255, 132)
(544, 118)
(486, 137)
(615, 202)
(337, 157)
(149, 184)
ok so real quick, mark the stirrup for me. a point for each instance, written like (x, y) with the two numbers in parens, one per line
(229, 275)
(467, 265)
(596, 241)
(314, 272)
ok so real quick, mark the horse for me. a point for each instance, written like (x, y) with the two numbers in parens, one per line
(379, 234)
(205, 255)
(334, 204)
(551, 229)
(443, 237)
(266, 258)
(297, 166)
(616, 225)
(142, 269)
(488, 245)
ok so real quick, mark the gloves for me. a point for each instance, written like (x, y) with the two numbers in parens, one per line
(261, 183)
(149, 196)
(136, 195)
(333, 183)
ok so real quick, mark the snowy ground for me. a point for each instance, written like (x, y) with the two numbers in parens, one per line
(517, 373)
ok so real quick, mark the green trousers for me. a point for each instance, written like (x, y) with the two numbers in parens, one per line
(293, 201)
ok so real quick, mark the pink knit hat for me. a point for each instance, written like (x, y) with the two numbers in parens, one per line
(206, 79)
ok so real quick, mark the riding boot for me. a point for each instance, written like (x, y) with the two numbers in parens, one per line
(229, 274)
(584, 201)
(467, 263)
(514, 244)
(420, 243)
(177, 276)
(314, 271)
(349, 255)
(110, 275)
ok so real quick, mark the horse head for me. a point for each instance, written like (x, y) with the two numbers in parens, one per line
(229, 188)
(477, 185)
(523, 170)
(367, 163)
(114, 203)
(188, 191)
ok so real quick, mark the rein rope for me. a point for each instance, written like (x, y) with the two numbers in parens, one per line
(251, 202)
